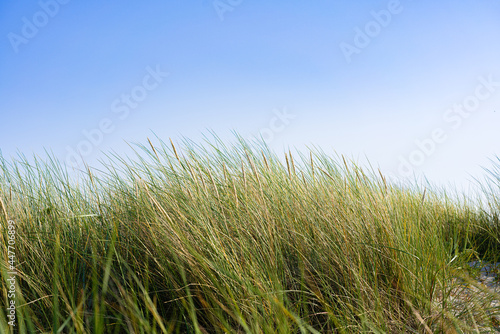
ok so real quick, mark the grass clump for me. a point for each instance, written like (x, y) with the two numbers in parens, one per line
(231, 239)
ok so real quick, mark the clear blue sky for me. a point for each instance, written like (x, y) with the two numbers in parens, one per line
(365, 78)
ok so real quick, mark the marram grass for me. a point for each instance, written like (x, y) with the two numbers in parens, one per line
(231, 239)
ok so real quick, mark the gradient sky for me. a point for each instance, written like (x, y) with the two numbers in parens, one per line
(412, 81)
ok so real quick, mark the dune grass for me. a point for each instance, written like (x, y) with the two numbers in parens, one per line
(231, 239)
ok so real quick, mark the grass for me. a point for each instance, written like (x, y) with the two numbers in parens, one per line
(231, 239)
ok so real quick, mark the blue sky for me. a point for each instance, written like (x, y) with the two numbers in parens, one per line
(412, 85)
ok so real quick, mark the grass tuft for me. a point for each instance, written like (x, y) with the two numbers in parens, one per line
(232, 239)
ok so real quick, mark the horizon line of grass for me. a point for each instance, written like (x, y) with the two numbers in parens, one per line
(214, 238)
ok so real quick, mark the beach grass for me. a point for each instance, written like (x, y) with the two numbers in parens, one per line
(216, 238)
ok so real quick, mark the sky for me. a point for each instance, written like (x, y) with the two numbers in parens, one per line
(413, 87)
